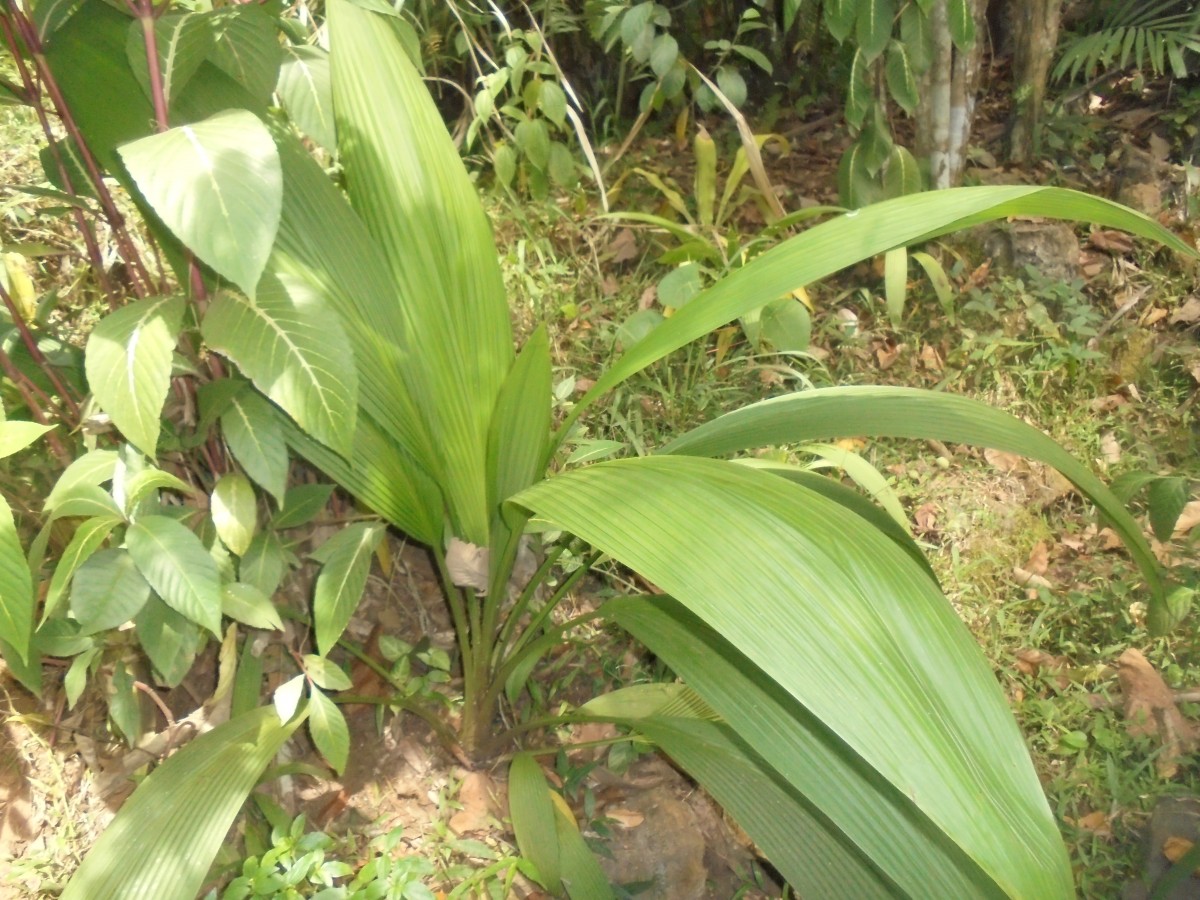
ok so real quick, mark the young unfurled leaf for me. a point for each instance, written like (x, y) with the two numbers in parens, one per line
(178, 567)
(128, 365)
(217, 184)
(327, 726)
(235, 512)
(109, 591)
(347, 559)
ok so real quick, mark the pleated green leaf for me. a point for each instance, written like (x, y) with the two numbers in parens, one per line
(128, 365)
(178, 567)
(306, 93)
(831, 413)
(295, 351)
(848, 626)
(16, 588)
(163, 840)
(851, 238)
(406, 181)
(217, 185)
(800, 839)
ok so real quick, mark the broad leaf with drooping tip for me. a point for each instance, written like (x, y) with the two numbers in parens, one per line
(837, 615)
(218, 186)
(830, 413)
(163, 840)
(128, 365)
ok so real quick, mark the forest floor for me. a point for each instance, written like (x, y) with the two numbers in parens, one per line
(1102, 355)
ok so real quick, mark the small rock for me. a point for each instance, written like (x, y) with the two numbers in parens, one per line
(665, 851)
(1050, 247)
(1174, 817)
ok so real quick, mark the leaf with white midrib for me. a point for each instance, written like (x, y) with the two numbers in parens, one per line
(294, 350)
(217, 184)
(306, 94)
(347, 559)
(128, 365)
(179, 569)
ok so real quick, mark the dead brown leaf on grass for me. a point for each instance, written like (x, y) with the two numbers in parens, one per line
(1033, 662)
(1150, 709)
(1188, 519)
(475, 795)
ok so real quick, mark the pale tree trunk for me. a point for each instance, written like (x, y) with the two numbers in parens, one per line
(947, 107)
(1035, 35)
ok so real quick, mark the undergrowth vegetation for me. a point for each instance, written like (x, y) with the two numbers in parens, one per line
(310, 481)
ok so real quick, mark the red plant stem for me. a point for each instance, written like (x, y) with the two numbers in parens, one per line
(33, 95)
(142, 283)
(38, 356)
(147, 17)
(26, 389)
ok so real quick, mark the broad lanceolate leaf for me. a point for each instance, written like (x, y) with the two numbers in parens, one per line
(328, 728)
(179, 569)
(858, 635)
(217, 185)
(829, 413)
(235, 512)
(306, 93)
(128, 365)
(16, 588)
(93, 468)
(874, 27)
(301, 505)
(901, 79)
(170, 640)
(183, 41)
(254, 435)
(264, 562)
(187, 805)
(961, 16)
(250, 606)
(109, 591)
(16, 436)
(294, 350)
(408, 183)
(90, 534)
(533, 816)
(858, 235)
(347, 559)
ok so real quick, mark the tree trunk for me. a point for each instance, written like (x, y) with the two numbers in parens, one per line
(1035, 32)
(947, 107)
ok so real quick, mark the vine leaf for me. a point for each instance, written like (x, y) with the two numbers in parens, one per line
(128, 366)
(217, 184)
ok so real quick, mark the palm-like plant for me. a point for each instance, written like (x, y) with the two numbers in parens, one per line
(833, 700)
(1158, 36)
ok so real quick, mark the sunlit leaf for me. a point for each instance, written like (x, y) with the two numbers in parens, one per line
(16, 587)
(217, 185)
(128, 364)
(346, 559)
(328, 728)
(109, 591)
(252, 430)
(250, 606)
(234, 511)
(306, 94)
(178, 567)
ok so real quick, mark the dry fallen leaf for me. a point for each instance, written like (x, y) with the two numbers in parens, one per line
(886, 355)
(1109, 403)
(1175, 848)
(1153, 316)
(475, 795)
(1110, 448)
(1187, 314)
(1028, 579)
(1004, 461)
(1150, 709)
(649, 296)
(467, 564)
(1095, 822)
(1109, 539)
(1188, 519)
(926, 517)
(1110, 241)
(1039, 558)
(624, 246)
(930, 358)
(626, 818)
